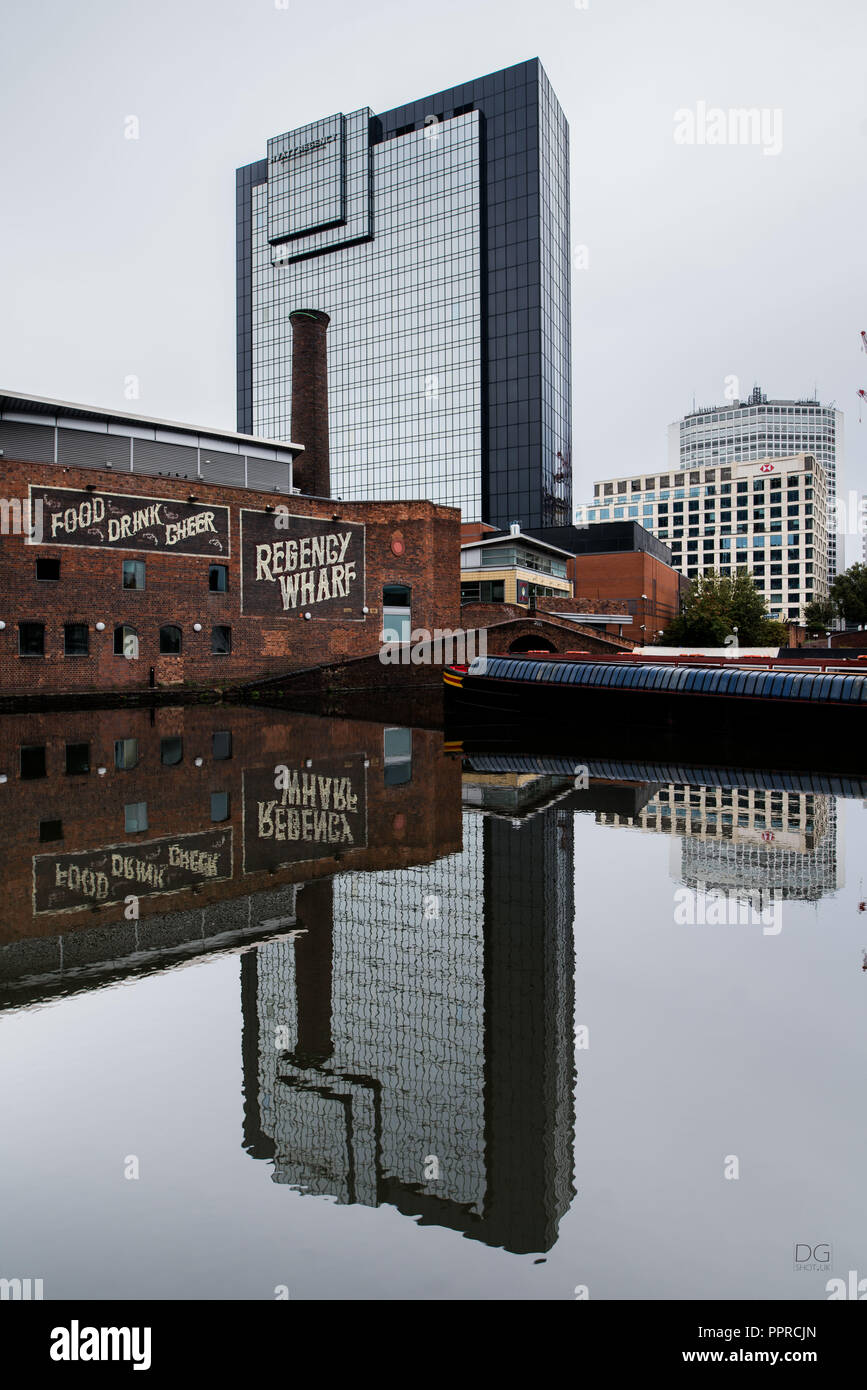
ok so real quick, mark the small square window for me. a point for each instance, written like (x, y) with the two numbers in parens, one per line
(218, 579)
(219, 806)
(135, 817)
(48, 571)
(221, 641)
(32, 762)
(77, 759)
(76, 639)
(50, 830)
(133, 574)
(31, 639)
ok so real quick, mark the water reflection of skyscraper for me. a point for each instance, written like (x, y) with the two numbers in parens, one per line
(428, 1057)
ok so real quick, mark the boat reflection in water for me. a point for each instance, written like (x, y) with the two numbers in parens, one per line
(404, 915)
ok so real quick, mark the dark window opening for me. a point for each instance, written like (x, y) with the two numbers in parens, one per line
(50, 830)
(77, 759)
(32, 762)
(48, 571)
(221, 641)
(171, 751)
(31, 639)
(219, 806)
(218, 579)
(170, 640)
(76, 639)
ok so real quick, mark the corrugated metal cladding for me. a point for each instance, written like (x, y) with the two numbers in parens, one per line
(151, 456)
(217, 467)
(94, 449)
(81, 449)
(267, 474)
(35, 442)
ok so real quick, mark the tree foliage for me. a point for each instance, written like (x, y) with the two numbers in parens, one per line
(715, 605)
(820, 614)
(849, 595)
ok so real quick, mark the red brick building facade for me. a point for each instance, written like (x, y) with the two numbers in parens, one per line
(202, 584)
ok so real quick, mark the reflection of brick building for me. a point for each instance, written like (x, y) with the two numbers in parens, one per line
(185, 812)
(156, 548)
(442, 1010)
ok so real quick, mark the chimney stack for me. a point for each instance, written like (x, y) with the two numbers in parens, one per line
(312, 473)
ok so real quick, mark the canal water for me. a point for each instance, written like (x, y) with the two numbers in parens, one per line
(327, 1009)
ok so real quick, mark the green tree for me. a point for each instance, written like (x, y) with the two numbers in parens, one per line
(820, 614)
(714, 606)
(849, 594)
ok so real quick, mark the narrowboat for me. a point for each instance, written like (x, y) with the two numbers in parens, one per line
(776, 713)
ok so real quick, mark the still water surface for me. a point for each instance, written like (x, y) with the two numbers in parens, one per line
(421, 1025)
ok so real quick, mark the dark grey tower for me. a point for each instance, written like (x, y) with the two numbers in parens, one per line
(436, 237)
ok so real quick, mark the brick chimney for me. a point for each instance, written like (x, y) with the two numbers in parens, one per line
(309, 426)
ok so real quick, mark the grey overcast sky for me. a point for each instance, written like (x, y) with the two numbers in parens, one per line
(703, 261)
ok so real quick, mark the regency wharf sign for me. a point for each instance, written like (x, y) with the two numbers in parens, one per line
(295, 814)
(297, 564)
(71, 882)
(123, 521)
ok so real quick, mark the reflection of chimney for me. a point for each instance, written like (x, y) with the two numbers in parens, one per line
(310, 400)
(314, 964)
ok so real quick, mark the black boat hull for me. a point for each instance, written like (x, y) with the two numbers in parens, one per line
(760, 732)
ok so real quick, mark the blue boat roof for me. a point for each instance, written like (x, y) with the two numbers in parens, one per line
(815, 686)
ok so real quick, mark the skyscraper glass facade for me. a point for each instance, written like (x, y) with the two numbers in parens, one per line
(436, 237)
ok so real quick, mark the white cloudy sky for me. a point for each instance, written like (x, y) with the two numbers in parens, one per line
(118, 255)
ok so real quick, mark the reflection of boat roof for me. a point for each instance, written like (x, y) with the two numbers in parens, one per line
(612, 770)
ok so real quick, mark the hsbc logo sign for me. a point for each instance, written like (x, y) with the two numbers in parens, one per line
(767, 468)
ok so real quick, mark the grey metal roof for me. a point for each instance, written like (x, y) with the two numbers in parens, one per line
(17, 403)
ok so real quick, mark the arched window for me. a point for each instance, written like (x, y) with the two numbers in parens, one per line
(170, 640)
(126, 642)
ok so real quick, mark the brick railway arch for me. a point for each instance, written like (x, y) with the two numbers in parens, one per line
(531, 643)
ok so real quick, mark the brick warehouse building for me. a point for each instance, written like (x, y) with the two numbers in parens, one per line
(167, 555)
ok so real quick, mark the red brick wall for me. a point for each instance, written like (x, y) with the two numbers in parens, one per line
(621, 577)
(407, 824)
(177, 591)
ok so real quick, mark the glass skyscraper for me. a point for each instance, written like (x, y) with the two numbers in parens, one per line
(436, 237)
